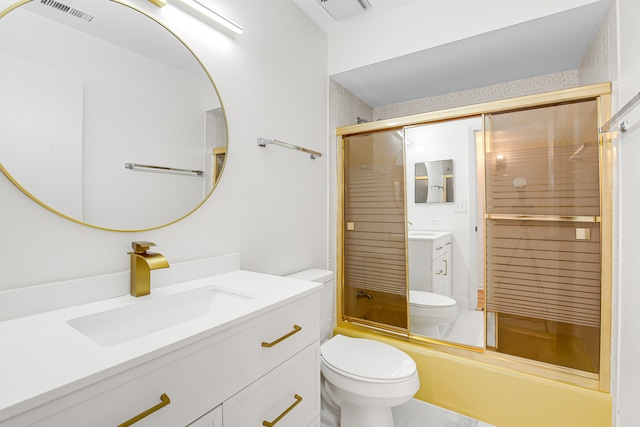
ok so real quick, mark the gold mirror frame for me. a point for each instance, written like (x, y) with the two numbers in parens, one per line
(216, 156)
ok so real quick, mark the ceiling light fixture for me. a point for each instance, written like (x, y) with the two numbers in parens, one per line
(204, 10)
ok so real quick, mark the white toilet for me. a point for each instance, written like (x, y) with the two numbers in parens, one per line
(365, 379)
(362, 379)
(428, 312)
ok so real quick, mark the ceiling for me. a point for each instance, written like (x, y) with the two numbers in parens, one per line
(547, 45)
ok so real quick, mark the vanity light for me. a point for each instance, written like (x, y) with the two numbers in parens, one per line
(202, 9)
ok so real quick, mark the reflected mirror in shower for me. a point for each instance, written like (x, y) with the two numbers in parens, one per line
(434, 181)
(444, 241)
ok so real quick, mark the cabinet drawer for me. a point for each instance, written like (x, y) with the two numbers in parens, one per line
(288, 395)
(195, 378)
(178, 380)
(210, 419)
(315, 422)
(441, 245)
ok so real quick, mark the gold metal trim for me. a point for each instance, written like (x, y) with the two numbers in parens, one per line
(599, 92)
(377, 325)
(215, 88)
(296, 329)
(159, 3)
(555, 218)
(164, 402)
(272, 423)
(529, 101)
(538, 366)
(607, 156)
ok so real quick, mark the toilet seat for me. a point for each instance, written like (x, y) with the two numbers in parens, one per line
(367, 360)
(430, 300)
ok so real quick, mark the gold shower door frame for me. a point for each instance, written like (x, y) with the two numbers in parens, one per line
(599, 92)
(374, 244)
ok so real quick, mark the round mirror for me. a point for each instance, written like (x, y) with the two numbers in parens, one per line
(106, 117)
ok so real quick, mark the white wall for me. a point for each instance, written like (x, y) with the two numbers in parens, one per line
(270, 204)
(41, 131)
(629, 155)
(120, 115)
(425, 24)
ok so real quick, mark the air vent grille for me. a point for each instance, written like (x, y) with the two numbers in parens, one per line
(76, 13)
(344, 9)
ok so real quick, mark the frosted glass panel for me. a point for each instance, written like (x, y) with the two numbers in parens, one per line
(375, 279)
(543, 234)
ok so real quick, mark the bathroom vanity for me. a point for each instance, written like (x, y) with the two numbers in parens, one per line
(232, 349)
(430, 261)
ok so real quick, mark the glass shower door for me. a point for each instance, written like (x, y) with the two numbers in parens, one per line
(374, 254)
(543, 253)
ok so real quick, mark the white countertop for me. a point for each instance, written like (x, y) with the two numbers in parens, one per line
(426, 235)
(42, 357)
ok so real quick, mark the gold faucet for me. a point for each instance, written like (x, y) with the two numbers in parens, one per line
(142, 262)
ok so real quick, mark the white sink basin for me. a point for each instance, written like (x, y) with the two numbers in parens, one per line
(119, 325)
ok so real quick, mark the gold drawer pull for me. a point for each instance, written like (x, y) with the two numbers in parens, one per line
(165, 401)
(272, 423)
(296, 329)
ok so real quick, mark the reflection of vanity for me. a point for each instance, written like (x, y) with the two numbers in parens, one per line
(430, 261)
(241, 365)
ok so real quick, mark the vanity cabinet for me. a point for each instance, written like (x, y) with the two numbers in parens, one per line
(254, 370)
(441, 274)
(212, 418)
(430, 262)
(286, 396)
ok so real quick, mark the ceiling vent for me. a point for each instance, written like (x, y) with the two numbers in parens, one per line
(344, 9)
(76, 13)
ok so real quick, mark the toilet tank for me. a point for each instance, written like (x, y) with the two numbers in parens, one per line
(327, 297)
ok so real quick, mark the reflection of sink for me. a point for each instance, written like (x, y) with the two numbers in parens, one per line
(119, 325)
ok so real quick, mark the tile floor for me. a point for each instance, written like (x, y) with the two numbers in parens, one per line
(416, 413)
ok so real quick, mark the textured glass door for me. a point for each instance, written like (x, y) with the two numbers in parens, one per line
(374, 254)
(543, 253)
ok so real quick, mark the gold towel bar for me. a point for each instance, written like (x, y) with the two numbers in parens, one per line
(272, 423)
(562, 218)
(164, 402)
(296, 329)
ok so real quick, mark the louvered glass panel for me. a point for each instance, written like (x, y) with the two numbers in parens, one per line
(375, 283)
(543, 234)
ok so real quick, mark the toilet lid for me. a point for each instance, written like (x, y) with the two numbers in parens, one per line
(429, 299)
(367, 359)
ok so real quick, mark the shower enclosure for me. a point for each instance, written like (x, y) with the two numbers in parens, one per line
(543, 226)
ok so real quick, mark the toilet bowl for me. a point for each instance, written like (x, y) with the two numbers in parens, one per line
(365, 379)
(429, 312)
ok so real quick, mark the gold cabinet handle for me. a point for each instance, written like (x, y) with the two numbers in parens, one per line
(446, 267)
(272, 423)
(296, 329)
(164, 402)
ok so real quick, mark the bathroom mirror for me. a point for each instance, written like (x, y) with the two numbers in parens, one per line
(106, 117)
(434, 181)
(444, 239)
